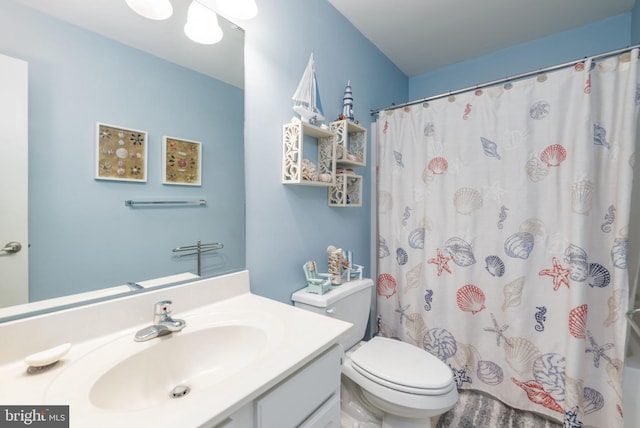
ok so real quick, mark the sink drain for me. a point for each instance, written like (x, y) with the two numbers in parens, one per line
(179, 391)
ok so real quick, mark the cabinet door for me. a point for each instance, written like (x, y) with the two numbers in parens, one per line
(302, 394)
(327, 416)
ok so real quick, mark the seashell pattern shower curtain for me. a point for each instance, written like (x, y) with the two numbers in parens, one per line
(503, 226)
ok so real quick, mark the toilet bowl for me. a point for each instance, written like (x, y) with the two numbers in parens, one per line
(397, 385)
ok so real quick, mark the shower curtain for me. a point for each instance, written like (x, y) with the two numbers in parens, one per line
(502, 235)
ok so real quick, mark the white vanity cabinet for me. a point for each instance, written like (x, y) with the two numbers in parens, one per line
(309, 398)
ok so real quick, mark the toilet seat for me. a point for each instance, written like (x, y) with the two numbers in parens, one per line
(403, 367)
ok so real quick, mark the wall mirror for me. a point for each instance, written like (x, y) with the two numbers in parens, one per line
(98, 62)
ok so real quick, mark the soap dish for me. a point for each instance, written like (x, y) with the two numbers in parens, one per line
(44, 360)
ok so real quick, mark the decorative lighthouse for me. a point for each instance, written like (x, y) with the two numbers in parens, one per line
(347, 103)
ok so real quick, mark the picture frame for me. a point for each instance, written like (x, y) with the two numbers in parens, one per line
(121, 153)
(181, 161)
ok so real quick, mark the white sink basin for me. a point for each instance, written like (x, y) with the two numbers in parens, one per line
(187, 359)
(124, 375)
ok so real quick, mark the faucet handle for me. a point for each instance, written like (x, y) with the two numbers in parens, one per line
(163, 307)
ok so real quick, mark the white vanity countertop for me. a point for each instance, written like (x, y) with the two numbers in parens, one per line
(298, 337)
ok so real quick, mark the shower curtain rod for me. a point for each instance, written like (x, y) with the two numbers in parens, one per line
(507, 79)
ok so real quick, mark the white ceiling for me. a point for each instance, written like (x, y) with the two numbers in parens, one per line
(165, 39)
(419, 36)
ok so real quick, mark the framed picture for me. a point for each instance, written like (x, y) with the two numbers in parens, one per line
(181, 162)
(121, 153)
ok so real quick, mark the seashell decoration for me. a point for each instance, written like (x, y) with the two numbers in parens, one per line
(578, 321)
(582, 196)
(460, 251)
(401, 256)
(539, 110)
(598, 275)
(467, 200)
(536, 169)
(386, 285)
(425, 223)
(520, 354)
(519, 245)
(573, 253)
(513, 293)
(553, 155)
(416, 328)
(470, 299)
(494, 265)
(593, 400)
(466, 355)
(427, 176)
(619, 253)
(490, 148)
(325, 178)
(490, 373)
(549, 370)
(600, 136)
(533, 226)
(413, 277)
(438, 165)
(440, 343)
(623, 232)
(383, 249)
(577, 259)
(429, 129)
(416, 238)
(613, 303)
(536, 394)
(398, 158)
(309, 171)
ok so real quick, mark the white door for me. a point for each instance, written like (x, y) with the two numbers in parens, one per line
(14, 268)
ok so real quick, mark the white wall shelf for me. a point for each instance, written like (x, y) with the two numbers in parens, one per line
(351, 151)
(347, 192)
(295, 166)
(351, 143)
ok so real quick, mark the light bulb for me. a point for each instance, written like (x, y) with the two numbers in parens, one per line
(238, 9)
(152, 9)
(202, 25)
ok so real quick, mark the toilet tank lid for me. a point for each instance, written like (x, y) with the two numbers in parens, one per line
(336, 293)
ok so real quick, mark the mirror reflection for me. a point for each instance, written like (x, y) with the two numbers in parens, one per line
(81, 235)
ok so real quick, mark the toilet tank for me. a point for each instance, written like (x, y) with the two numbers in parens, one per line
(350, 301)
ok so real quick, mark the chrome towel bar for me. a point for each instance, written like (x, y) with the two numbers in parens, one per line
(198, 249)
(130, 203)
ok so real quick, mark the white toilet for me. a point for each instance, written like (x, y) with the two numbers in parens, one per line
(386, 382)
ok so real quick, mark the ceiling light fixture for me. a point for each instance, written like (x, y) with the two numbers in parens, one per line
(202, 24)
(153, 9)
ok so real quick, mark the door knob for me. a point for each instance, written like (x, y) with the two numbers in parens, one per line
(11, 247)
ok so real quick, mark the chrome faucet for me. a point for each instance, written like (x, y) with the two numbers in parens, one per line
(163, 324)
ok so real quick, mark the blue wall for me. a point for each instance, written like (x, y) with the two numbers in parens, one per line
(602, 36)
(81, 235)
(288, 225)
(285, 225)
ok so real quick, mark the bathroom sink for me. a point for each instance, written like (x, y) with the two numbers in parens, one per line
(178, 363)
(125, 375)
